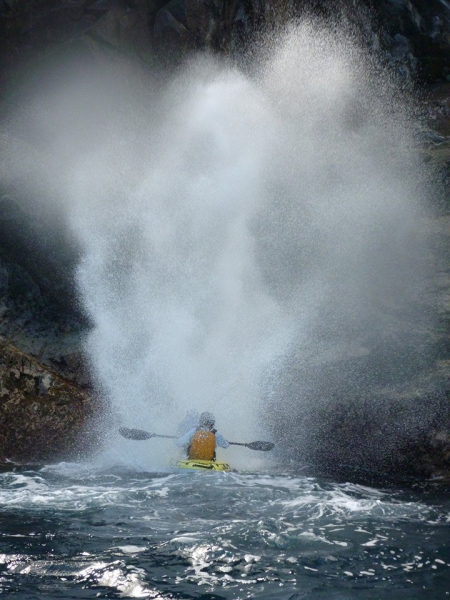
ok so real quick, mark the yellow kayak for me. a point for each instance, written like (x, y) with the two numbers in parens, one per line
(202, 465)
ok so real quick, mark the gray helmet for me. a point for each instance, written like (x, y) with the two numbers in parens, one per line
(207, 420)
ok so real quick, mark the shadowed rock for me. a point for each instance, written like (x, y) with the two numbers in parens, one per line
(43, 416)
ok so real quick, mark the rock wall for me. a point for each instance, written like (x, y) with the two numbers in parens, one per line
(412, 34)
(380, 407)
(43, 416)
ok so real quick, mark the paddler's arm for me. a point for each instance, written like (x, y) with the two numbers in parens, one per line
(185, 439)
(221, 441)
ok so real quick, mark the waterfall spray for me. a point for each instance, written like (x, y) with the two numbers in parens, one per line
(233, 222)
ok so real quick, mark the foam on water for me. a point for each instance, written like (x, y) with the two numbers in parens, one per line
(142, 535)
(77, 487)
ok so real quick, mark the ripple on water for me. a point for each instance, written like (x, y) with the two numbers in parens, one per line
(78, 530)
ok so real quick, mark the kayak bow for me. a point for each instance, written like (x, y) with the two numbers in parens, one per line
(202, 465)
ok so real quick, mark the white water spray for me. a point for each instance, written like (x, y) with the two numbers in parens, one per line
(223, 215)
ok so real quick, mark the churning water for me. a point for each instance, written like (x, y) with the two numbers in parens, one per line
(73, 531)
(226, 219)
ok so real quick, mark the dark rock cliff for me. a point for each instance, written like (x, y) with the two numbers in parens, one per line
(43, 414)
(413, 34)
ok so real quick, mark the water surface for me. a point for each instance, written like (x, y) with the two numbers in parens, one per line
(74, 531)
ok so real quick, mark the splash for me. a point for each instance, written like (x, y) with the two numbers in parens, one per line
(245, 216)
(234, 219)
(183, 318)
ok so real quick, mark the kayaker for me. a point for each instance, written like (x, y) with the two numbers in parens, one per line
(201, 442)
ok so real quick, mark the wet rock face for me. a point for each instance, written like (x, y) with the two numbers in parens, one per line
(45, 397)
(416, 32)
(413, 34)
(30, 249)
(379, 405)
(38, 307)
(43, 416)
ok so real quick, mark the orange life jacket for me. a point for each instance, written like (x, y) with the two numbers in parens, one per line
(203, 446)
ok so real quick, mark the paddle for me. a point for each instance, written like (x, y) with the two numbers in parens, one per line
(139, 434)
(263, 446)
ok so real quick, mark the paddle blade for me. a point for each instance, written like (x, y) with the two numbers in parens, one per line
(135, 434)
(263, 446)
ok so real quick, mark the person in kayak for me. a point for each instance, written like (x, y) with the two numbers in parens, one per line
(201, 442)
